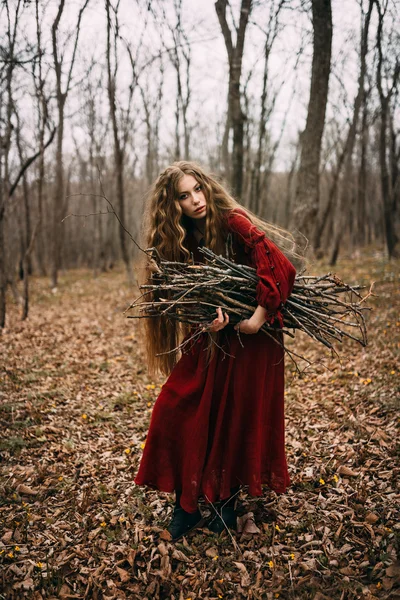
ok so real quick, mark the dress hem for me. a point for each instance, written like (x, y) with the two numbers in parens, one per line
(255, 493)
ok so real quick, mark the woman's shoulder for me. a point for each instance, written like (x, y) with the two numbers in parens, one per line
(238, 221)
(238, 211)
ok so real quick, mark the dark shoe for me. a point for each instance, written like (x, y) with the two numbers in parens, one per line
(182, 522)
(223, 518)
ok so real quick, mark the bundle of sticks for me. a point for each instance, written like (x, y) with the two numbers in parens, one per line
(325, 308)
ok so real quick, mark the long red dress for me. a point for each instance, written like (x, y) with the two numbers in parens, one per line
(219, 423)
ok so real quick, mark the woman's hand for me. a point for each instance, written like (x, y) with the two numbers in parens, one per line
(247, 326)
(220, 322)
(253, 324)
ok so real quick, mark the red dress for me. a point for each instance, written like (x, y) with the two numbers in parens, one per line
(220, 423)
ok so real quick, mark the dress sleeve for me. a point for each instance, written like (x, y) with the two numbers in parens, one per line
(275, 272)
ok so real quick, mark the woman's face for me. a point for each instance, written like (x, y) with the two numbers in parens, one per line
(191, 197)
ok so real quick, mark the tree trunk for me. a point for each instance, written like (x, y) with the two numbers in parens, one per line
(362, 177)
(346, 191)
(236, 116)
(387, 200)
(61, 96)
(25, 195)
(58, 196)
(42, 121)
(307, 192)
(261, 133)
(118, 151)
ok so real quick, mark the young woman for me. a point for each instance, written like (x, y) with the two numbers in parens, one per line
(218, 422)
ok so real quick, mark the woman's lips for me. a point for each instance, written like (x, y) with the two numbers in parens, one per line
(199, 209)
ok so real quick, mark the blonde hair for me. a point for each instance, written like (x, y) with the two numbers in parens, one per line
(164, 228)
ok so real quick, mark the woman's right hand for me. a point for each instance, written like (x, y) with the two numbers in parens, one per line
(220, 322)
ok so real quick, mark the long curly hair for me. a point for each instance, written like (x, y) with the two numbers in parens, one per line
(165, 227)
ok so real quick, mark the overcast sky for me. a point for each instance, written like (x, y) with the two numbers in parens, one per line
(209, 73)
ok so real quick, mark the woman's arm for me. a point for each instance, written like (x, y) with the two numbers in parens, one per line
(275, 272)
(255, 322)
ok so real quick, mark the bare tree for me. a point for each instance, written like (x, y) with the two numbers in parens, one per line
(152, 106)
(26, 230)
(270, 37)
(63, 87)
(385, 97)
(235, 116)
(112, 69)
(14, 58)
(307, 192)
(394, 155)
(345, 203)
(361, 210)
(97, 130)
(42, 104)
(6, 113)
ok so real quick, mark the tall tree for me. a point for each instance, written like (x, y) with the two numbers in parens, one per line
(6, 113)
(307, 190)
(235, 116)
(385, 97)
(345, 203)
(119, 144)
(42, 104)
(63, 87)
(152, 106)
(270, 37)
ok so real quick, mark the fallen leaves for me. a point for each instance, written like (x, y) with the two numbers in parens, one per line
(75, 404)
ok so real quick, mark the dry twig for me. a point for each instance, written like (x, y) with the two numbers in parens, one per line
(325, 307)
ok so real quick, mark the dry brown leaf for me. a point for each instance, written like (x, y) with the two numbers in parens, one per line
(65, 591)
(162, 548)
(26, 491)
(15, 569)
(178, 555)
(346, 471)
(131, 557)
(242, 522)
(259, 580)
(27, 584)
(387, 583)
(250, 526)
(165, 535)
(371, 518)
(245, 581)
(165, 566)
(212, 552)
(94, 533)
(240, 566)
(7, 536)
(123, 574)
(393, 570)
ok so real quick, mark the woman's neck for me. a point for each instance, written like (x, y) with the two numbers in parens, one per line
(199, 226)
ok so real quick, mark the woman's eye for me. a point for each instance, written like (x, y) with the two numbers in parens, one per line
(198, 188)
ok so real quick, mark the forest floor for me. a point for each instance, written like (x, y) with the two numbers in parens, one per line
(75, 404)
